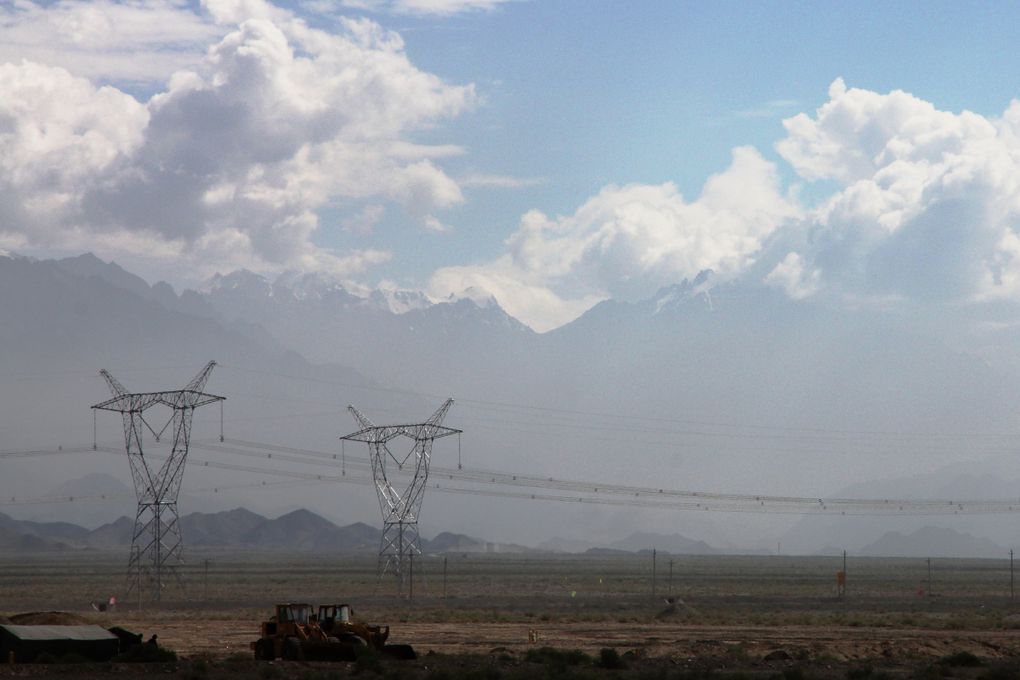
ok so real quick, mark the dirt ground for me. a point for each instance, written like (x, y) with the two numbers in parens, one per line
(491, 651)
(674, 641)
(748, 619)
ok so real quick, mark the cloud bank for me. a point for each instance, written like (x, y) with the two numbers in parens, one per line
(926, 208)
(927, 204)
(229, 164)
(628, 241)
(254, 123)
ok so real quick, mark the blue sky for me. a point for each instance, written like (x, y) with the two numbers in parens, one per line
(575, 113)
(580, 94)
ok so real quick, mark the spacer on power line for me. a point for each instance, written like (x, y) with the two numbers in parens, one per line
(400, 509)
(156, 544)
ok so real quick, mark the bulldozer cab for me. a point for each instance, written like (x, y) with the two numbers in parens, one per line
(294, 613)
(334, 613)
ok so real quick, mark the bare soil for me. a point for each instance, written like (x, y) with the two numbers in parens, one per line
(741, 619)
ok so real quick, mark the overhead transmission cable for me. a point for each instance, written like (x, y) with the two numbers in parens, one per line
(583, 492)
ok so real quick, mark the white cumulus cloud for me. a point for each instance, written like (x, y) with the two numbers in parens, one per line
(927, 205)
(231, 161)
(627, 241)
(142, 40)
(442, 8)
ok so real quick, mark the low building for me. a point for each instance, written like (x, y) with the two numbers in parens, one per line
(23, 644)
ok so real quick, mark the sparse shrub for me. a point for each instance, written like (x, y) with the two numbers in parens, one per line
(146, 653)
(557, 660)
(367, 659)
(270, 672)
(1002, 671)
(237, 659)
(961, 659)
(702, 674)
(610, 658)
(793, 673)
(738, 675)
(197, 670)
(929, 672)
(859, 672)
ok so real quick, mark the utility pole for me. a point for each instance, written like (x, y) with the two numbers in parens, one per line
(670, 593)
(1011, 592)
(843, 589)
(653, 572)
(205, 582)
(400, 508)
(444, 578)
(156, 544)
(929, 577)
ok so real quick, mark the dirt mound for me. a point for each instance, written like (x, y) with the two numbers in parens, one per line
(48, 619)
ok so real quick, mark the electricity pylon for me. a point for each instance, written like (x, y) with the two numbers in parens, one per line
(156, 544)
(400, 509)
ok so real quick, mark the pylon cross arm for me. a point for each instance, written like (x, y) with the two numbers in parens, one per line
(142, 401)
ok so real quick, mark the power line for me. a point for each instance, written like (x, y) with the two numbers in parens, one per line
(592, 491)
(467, 401)
(644, 497)
(651, 495)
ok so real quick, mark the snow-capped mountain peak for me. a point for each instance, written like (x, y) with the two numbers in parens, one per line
(317, 287)
(399, 301)
(482, 298)
(681, 293)
(238, 280)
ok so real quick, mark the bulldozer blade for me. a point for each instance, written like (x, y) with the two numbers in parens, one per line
(328, 651)
(405, 652)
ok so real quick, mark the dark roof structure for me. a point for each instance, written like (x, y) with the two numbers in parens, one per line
(26, 643)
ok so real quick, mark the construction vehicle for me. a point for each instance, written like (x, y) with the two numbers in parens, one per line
(337, 620)
(295, 633)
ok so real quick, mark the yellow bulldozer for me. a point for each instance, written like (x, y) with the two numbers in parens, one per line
(337, 620)
(297, 633)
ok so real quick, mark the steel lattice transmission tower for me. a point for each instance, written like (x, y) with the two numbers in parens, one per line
(156, 544)
(400, 509)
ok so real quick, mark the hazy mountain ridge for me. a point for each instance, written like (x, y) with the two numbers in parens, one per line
(932, 541)
(297, 531)
(987, 479)
(305, 531)
(389, 331)
(693, 355)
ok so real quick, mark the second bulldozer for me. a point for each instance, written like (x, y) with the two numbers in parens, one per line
(295, 633)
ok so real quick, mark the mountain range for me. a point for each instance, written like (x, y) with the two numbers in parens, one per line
(702, 386)
(297, 531)
(305, 531)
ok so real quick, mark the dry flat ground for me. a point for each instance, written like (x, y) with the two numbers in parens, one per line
(768, 617)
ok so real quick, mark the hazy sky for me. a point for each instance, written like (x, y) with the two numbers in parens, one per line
(551, 154)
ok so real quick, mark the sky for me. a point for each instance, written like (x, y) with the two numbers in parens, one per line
(547, 154)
